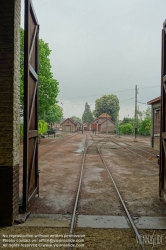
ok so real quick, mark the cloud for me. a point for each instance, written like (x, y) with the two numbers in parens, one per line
(103, 47)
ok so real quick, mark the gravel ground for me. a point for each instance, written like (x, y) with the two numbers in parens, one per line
(95, 239)
(60, 161)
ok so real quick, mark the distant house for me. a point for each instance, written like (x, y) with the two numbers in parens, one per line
(69, 125)
(155, 122)
(86, 126)
(102, 124)
(79, 126)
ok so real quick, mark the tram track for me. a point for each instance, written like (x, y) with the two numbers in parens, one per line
(147, 152)
(136, 153)
(136, 147)
(115, 186)
(122, 146)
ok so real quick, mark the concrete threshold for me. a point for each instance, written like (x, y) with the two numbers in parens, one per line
(102, 221)
(149, 222)
(93, 221)
(46, 220)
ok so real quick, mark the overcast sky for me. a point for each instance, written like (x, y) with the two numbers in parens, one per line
(103, 47)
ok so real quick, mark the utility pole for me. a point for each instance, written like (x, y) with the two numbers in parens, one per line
(135, 129)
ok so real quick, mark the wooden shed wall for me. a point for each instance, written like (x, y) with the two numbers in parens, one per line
(107, 125)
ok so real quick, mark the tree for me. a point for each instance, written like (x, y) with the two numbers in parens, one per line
(48, 86)
(76, 119)
(107, 104)
(145, 125)
(126, 120)
(87, 115)
(54, 114)
(147, 113)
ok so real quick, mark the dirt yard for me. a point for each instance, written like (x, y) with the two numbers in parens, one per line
(134, 168)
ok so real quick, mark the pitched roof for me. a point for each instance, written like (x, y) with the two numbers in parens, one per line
(108, 119)
(94, 121)
(73, 121)
(101, 120)
(104, 115)
(154, 100)
(69, 120)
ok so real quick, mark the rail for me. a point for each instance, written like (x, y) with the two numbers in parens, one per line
(116, 188)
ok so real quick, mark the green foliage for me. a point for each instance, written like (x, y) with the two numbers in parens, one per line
(87, 115)
(107, 104)
(48, 86)
(76, 119)
(54, 114)
(126, 120)
(147, 113)
(42, 127)
(126, 129)
(144, 122)
(140, 115)
(144, 127)
(21, 131)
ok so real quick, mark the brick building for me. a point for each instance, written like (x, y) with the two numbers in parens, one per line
(86, 126)
(9, 109)
(102, 124)
(79, 126)
(69, 125)
(155, 123)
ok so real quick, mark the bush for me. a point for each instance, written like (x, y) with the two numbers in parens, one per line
(126, 129)
(42, 127)
(21, 131)
(115, 129)
(144, 127)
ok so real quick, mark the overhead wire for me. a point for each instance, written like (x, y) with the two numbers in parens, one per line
(119, 91)
(82, 104)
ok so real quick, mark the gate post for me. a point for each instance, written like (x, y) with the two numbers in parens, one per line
(9, 109)
(162, 168)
